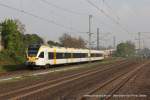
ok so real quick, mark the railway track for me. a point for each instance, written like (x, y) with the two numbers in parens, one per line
(30, 90)
(108, 89)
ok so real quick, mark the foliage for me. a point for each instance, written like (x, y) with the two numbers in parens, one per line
(15, 41)
(32, 39)
(68, 41)
(52, 43)
(20, 26)
(125, 49)
(12, 39)
(4, 55)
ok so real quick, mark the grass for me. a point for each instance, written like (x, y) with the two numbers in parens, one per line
(14, 67)
(1, 69)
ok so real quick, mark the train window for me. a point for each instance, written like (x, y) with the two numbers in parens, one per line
(100, 55)
(32, 52)
(59, 55)
(92, 55)
(86, 55)
(67, 55)
(83, 55)
(76, 55)
(41, 55)
(50, 55)
(63, 55)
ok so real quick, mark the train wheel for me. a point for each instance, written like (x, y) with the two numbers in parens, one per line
(46, 66)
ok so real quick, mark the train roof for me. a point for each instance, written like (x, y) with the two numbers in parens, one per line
(41, 46)
(46, 46)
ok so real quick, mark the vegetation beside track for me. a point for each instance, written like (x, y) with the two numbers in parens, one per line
(8, 63)
(58, 70)
(14, 43)
(13, 66)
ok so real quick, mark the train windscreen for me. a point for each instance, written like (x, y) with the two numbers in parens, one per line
(33, 50)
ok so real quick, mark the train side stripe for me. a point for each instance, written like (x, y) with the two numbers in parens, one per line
(54, 55)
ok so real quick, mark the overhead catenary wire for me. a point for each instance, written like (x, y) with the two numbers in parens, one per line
(38, 17)
(110, 8)
(63, 9)
(107, 15)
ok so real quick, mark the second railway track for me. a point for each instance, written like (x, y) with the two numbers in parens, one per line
(108, 89)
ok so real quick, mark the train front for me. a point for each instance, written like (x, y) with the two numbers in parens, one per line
(31, 54)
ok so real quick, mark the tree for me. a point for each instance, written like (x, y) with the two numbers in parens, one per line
(72, 42)
(81, 43)
(64, 39)
(13, 36)
(12, 39)
(125, 49)
(15, 41)
(32, 39)
(52, 43)
(21, 27)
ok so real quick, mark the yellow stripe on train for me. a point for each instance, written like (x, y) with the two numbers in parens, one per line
(54, 55)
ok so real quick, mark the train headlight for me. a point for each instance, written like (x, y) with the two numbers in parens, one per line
(36, 58)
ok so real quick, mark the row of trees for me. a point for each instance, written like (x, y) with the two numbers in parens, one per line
(126, 49)
(13, 37)
(15, 41)
(68, 41)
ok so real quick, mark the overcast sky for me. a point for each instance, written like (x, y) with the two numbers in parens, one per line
(71, 16)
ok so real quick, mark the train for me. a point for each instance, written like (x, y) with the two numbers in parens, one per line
(46, 56)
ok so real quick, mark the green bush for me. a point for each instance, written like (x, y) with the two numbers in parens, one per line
(11, 57)
(19, 59)
(4, 55)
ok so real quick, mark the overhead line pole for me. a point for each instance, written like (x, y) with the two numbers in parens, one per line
(89, 33)
(139, 36)
(107, 15)
(98, 39)
(114, 41)
(90, 17)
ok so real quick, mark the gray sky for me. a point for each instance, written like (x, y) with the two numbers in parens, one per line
(132, 15)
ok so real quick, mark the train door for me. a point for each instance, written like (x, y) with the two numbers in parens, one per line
(46, 59)
(41, 58)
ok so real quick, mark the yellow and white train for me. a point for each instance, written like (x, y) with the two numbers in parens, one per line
(45, 56)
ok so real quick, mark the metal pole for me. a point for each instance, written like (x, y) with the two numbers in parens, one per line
(114, 39)
(90, 16)
(143, 44)
(0, 38)
(139, 35)
(97, 38)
